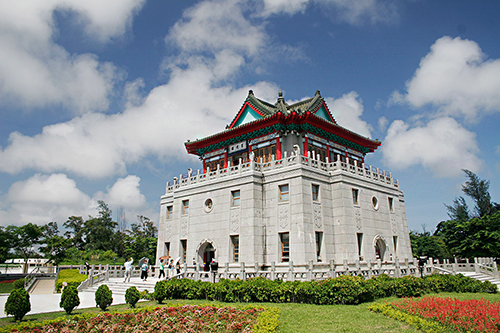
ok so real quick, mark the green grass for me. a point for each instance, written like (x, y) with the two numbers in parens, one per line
(296, 317)
(6, 288)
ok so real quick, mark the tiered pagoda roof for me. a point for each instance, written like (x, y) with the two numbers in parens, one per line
(257, 118)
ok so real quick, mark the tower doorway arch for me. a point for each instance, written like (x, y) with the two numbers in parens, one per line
(205, 253)
(380, 246)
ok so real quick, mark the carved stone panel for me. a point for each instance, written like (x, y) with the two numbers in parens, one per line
(184, 226)
(394, 225)
(317, 215)
(357, 218)
(168, 229)
(283, 216)
(235, 220)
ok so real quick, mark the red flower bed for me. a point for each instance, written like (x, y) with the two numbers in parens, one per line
(463, 316)
(187, 318)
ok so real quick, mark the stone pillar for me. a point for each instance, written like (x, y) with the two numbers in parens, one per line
(91, 277)
(106, 276)
(291, 276)
(332, 268)
(226, 270)
(243, 275)
(273, 270)
(309, 270)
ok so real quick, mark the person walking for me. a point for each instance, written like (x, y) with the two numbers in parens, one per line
(162, 270)
(144, 270)
(128, 270)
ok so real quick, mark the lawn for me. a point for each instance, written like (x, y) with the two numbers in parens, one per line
(299, 317)
(6, 287)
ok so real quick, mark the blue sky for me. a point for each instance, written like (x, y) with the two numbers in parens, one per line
(97, 98)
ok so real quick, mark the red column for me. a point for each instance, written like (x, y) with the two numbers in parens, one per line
(225, 160)
(306, 146)
(328, 153)
(278, 148)
(204, 166)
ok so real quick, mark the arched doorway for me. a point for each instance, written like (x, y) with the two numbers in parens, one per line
(206, 253)
(380, 248)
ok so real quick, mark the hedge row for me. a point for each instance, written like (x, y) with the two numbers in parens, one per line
(341, 290)
(71, 276)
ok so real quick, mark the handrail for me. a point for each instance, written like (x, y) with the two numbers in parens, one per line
(30, 279)
(447, 271)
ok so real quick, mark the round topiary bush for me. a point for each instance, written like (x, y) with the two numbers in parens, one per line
(69, 299)
(132, 296)
(18, 284)
(160, 292)
(103, 297)
(18, 304)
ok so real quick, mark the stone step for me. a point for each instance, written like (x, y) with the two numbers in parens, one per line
(482, 277)
(118, 287)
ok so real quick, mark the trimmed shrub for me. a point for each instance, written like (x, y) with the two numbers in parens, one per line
(19, 284)
(18, 304)
(103, 297)
(69, 299)
(160, 292)
(71, 276)
(409, 286)
(132, 296)
(147, 296)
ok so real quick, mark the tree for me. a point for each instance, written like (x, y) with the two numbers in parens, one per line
(5, 244)
(478, 190)
(69, 298)
(99, 231)
(75, 226)
(23, 240)
(103, 297)
(472, 235)
(18, 304)
(459, 210)
(55, 245)
(132, 296)
(425, 244)
(141, 241)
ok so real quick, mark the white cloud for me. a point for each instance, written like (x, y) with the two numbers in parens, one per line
(187, 107)
(133, 93)
(347, 111)
(125, 192)
(456, 77)
(44, 198)
(35, 72)
(382, 124)
(216, 26)
(443, 146)
(352, 12)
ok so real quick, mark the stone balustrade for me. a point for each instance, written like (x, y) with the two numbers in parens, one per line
(367, 172)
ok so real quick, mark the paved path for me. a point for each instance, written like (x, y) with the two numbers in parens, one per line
(49, 302)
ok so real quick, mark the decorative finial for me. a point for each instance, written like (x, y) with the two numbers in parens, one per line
(250, 92)
(317, 92)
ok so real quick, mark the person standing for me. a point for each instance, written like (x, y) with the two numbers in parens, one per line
(171, 268)
(128, 270)
(144, 270)
(162, 269)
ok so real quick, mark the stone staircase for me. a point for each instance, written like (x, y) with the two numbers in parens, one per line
(117, 286)
(482, 277)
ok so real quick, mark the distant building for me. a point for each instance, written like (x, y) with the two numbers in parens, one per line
(283, 184)
(19, 265)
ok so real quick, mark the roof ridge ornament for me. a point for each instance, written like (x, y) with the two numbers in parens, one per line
(281, 103)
